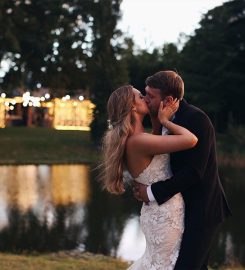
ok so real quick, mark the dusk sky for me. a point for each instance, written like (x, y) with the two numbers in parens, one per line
(151, 23)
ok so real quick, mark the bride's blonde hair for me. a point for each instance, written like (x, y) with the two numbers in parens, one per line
(119, 109)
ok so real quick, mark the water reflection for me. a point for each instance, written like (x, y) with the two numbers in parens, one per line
(43, 207)
(48, 208)
(131, 236)
(107, 215)
(229, 245)
(69, 184)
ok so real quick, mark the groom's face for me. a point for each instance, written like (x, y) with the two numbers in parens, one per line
(153, 98)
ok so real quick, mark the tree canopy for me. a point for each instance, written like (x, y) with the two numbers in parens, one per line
(213, 63)
(45, 41)
(107, 70)
(71, 44)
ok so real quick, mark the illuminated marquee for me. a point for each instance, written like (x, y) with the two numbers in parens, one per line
(63, 114)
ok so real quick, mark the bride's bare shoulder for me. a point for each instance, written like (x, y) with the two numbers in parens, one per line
(136, 139)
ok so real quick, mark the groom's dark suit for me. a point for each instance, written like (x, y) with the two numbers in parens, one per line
(195, 175)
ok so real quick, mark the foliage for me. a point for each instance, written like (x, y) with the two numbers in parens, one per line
(213, 65)
(143, 63)
(45, 42)
(232, 143)
(63, 45)
(106, 70)
(70, 44)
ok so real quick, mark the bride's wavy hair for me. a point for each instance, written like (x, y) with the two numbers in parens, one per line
(119, 109)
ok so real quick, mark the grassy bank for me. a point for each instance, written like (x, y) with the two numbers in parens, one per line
(22, 145)
(62, 262)
(59, 262)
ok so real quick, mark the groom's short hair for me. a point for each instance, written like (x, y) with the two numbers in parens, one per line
(169, 83)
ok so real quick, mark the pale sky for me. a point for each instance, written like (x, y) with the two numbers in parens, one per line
(151, 23)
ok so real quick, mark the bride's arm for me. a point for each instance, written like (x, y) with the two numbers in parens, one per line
(181, 139)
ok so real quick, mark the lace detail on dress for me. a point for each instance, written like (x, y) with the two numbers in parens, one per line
(162, 225)
(158, 169)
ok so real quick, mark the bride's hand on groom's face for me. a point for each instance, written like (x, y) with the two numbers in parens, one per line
(140, 192)
(166, 111)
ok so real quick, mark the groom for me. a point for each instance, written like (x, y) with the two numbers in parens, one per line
(195, 173)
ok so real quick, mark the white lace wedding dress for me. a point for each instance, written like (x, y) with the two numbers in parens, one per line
(162, 225)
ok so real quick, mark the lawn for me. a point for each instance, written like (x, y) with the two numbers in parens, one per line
(56, 262)
(21, 145)
(60, 261)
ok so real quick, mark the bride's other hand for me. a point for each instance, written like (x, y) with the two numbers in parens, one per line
(166, 112)
(140, 192)
(135, 187)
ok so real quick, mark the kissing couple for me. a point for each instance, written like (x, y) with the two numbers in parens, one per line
(173, 170)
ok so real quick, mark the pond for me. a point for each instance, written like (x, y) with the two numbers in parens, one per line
(50, 208)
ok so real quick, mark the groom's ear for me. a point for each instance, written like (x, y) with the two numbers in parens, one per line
(167, 100)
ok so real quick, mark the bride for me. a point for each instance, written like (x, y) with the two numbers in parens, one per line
(126, 146)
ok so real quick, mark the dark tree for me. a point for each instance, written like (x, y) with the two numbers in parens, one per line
(45, 42)
(107, 70)
(213, 63)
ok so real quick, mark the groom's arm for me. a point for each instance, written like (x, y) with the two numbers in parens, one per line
(194, 161)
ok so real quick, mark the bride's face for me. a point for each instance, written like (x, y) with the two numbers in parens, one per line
(140, 104)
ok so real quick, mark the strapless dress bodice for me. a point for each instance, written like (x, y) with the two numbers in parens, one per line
(158, 169)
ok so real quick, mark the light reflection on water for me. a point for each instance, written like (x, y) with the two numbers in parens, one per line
(46, 199)
(29, 187)
(132, 236)
(49, 208)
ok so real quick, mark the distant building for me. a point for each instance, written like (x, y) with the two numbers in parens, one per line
(65, 113)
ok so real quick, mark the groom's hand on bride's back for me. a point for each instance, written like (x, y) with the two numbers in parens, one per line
(140, 192)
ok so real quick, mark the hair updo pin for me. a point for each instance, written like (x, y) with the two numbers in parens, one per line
(109, 124)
